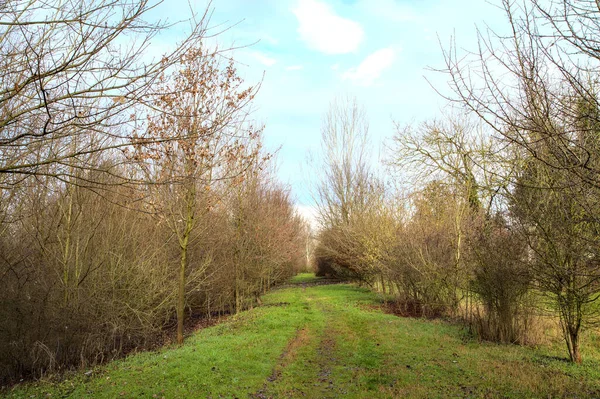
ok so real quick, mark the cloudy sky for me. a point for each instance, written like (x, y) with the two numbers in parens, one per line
(312, 51)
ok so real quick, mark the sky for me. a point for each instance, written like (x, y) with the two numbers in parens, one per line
(307, 53)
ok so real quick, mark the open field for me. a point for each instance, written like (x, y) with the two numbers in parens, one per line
(333, 341)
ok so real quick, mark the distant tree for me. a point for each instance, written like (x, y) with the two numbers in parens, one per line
(344, 192)
(344, 188)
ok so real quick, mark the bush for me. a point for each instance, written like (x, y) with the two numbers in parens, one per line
(501, 282)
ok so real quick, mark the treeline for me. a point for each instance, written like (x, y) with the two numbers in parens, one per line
(133, 193)
(494, 217)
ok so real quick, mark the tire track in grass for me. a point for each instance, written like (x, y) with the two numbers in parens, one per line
(325, 356)
(349, 352)
(313, 350)
(339, 355)
(287, 357)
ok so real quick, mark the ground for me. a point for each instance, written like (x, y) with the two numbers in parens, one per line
(332, 341)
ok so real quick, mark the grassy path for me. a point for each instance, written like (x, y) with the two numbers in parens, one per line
(331, 342)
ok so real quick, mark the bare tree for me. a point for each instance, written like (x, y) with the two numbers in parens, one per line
(454, 153)
(536, 90)
(74, 78)
(529, 86)
(204, 138)
(345, 185)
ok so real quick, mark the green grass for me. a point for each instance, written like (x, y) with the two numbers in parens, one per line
(332, 342)
(304, 278)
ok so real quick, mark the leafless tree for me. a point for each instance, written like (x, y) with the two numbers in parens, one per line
(536, 89)
(204, 137)
(346, 170)
(75, 79)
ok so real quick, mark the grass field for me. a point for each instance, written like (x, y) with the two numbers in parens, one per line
(332, 341)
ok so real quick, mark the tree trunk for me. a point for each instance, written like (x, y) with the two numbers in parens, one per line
(236, 294)
(184, 240)
(181, 293)
(574, 352)
(571, 326)
(383, 289)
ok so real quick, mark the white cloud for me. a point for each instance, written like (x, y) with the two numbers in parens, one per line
(371, 68)
(324, 31)
(263, 59)
(310, 214)
(294, 67)
(335, 67)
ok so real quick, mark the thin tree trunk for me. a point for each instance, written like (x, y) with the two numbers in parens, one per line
(184, 244)
(383, 289)
(67, 248)
(181, 291)
(575, 353)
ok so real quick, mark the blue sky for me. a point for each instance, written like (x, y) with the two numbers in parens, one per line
(313, 51)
